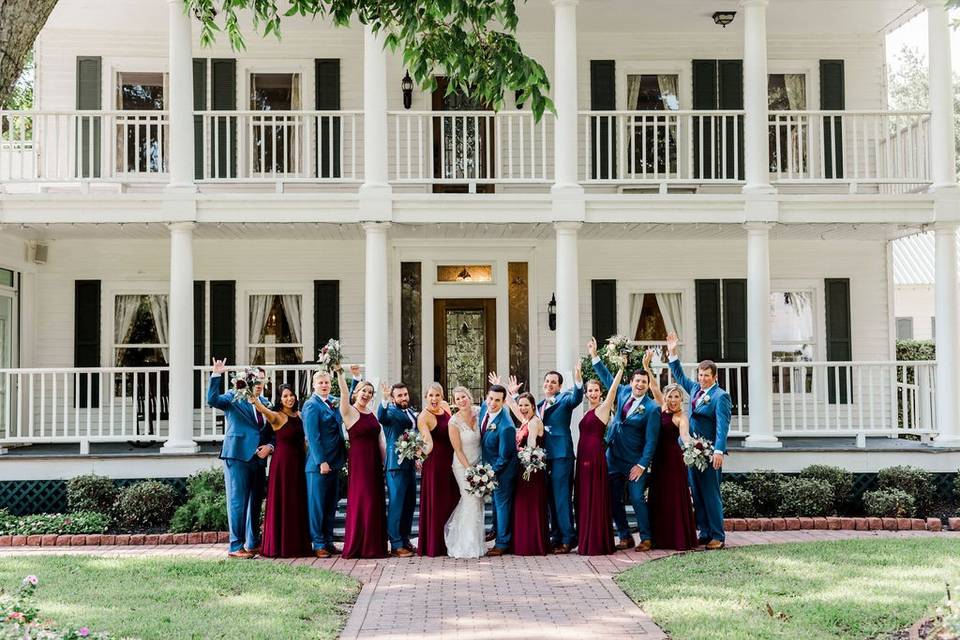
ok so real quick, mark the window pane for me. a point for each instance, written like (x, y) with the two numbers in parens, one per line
(134, 321)
(141, 91)
(466, 273)
(904, 328)
(6, 278)
(275, 319)
(791, 316)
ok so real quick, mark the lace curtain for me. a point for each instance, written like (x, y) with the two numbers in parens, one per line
(796, 84)
(160, 308)
(259, 314)
(668, 92)
(291, 311)
(636, 308)
(671, 311)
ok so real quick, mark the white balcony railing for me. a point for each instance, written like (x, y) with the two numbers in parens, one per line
(131, 404)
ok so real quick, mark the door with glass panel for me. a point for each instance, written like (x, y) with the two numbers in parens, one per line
(652, 138)
(464, 343)
(463, 145)
(8, 345)
(141, 132)
(275, 138)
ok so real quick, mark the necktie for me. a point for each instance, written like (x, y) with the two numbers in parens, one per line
(483, 427)
(259, 419)
(327, 402)
(696, 397)
(413, 418)
(628, 406)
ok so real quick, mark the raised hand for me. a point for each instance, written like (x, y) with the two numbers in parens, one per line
(592, 347)
(673, 341)
(493, 378)
(355, 371)
(219, 366)
(514, 387)
(385, 389)
(578, 373)
(648, 358)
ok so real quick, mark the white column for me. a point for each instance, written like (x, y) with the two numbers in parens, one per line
(760, 371)
(375, 331)
(948, 336)
(180, 437)
(756, 118)
(180, 102)
(568, 296)
(941, 96)
(374, 110)
(565, 94)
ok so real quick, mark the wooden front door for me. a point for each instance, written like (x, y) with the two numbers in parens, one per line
(464, 343)
(462, 145)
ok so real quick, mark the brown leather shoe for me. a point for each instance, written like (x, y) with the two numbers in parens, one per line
(254, 552)
(714, 545)
(322, 553)
(562, 549)
(624, 544)
(495, 552)
(402, 552)
(242, 554)
(645, 545)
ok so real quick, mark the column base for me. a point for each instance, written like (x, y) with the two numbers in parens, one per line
(179, 448)
(948, 442)
(764, 442)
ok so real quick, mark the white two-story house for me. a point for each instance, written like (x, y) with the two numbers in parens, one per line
(727, 171)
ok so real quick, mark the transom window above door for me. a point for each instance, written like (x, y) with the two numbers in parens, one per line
(276, 335)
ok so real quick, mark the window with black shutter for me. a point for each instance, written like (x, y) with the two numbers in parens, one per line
(604, 308)
(603, 97)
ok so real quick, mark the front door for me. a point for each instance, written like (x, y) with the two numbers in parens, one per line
(464, 343)
(462, 144)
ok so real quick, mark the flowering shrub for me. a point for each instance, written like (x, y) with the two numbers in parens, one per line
(20, 619)
(55, 523)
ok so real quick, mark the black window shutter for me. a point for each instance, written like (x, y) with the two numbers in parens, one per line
(223, 320)
(199, 339)
(89, 97)
(326, 313)
(832, 98)
(603, 302)
(709, 344)
(705, 98)
(199, 104)
(603, 97)
(839, 340)
(223, 90)
(730, 96)
(735, 321)
(86, 338)
(327, 86)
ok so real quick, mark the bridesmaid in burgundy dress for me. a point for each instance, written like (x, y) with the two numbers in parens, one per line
(366, 526)
(530, 534)
(439, 493)
(593, 487)
(672, 522)
(285, 530)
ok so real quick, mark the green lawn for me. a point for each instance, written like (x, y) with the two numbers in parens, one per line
(846, 589)
(176, 598)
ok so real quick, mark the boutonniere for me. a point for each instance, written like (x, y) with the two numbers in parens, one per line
(641, 409)
(706, 398)
(491, 427)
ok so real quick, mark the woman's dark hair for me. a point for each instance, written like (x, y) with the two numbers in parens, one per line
(528, 396)
(293, 392)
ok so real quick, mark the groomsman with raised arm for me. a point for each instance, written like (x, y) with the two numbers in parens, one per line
(247, 443)
(396, 416)
(710, 411)
(631, 442)
(498, 439)
(555, 410)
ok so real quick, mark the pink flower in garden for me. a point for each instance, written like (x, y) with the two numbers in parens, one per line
(31, 579)
(83, 632)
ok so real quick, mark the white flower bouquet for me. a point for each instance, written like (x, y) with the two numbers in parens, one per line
(245, 382)
(481, 480)
(409, 446)
(618, 349)
(532, 459)
(697, 453)
(330, 356)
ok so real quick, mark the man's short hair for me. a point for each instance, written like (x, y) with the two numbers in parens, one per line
(498, 388)
(640, 372)
(555, 373)
(708, 365)
(321, 374)
(397, 386)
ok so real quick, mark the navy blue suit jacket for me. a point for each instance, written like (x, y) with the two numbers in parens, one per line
(499, 445)
(394, 422)
(243, 433)
(711, 417)
(323, 430)
(631, 441)
(556, 422)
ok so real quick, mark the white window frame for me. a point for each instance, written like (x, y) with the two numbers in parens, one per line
(628, 288)
(814, 341)
(680, 68)
(306, 320)
(14, 294)
(110, 312)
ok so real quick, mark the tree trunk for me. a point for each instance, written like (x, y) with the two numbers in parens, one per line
(20, 22)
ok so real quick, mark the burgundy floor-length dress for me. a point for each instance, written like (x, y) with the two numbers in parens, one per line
(286, 533)
(530, 534)
(593, 490)
(672, 523)
(366, 526)
(439, 493)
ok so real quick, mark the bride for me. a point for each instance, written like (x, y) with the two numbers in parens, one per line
(464, 531)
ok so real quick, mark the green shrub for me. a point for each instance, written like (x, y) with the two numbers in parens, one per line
(206, 505)
(840, 481)
(737, 501)
(956, 486)
(146, 504)
(57, 523)
(916, 350)
(889, 503)
(6, 522)
(806, 497)
(91, 493)
(766, 486)
(911, 480)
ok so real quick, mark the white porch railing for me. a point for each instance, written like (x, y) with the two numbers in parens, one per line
(83, 405)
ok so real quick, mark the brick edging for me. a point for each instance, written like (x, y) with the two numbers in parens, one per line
(836, 524)
(96, 540)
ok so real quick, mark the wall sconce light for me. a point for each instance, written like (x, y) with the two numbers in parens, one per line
(406, 85)
(723, 18)
(552, 312)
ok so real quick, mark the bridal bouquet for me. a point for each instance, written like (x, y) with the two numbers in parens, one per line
(243, 384)
(697, 453)
(330, 356)
(481, 481)
(409, 446)
(532, 459)
(618, 349)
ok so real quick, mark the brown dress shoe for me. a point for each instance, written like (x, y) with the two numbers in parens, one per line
(624, 543)
(563, 549)
(495, 552)
(254, 552)
(242, 554)
(645, 545)
(402, 552)
(713, 545)
(322, 553)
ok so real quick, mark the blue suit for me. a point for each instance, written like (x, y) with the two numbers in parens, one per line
(401, 476)
(710, 419)
(323, 431)
(243, 472)
(559, 447)
(499, 450)
(631, 440)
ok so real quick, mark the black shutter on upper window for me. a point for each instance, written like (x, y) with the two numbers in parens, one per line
(709, 338)
(839, 337)
(199, 104)
(735, 342)
(603, 97)
(88, 131)
(705, 92)
(326, 314)
(327, 85)
(86, 340)
(199, 338)
(223, 97)
(603, 303)
(730, 96)
(223, 320)
(832, 98)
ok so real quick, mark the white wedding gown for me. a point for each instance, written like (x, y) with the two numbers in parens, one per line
(464, 532)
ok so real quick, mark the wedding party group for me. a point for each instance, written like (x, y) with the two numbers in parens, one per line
(660, 449)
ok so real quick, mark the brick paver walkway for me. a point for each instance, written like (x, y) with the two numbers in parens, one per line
(553, 597)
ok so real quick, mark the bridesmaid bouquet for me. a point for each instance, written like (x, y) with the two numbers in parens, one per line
(409, 446)
(244, 383)
(330, 356)
(618, 349)
(532, 459)
(481, 481)
(697, 453)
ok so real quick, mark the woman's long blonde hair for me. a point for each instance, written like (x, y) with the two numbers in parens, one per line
(430, 387)
(670, 388)
(464, 391)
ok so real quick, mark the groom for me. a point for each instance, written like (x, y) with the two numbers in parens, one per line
(498, 438)
(395, 417)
